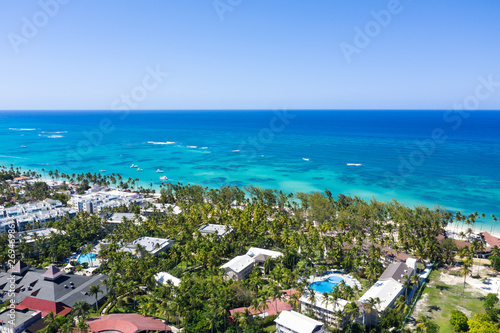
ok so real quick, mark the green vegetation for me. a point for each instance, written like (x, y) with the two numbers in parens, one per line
(441, 299)
(332, 233)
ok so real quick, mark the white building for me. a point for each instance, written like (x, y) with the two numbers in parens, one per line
(239, 268)
(388, 288)
(294, 322)
(152, 245)
(164, 277)
(29, 235)
(219, 229)
(94, 202)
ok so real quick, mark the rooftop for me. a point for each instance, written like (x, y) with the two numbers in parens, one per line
(299, 322)
(152, 245)
(163, 277)
(396, 271)
(126, 323)
(220, 229)
(386, 291)
(239, 263)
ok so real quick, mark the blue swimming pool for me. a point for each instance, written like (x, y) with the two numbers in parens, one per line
(88, 257)
(326, 285)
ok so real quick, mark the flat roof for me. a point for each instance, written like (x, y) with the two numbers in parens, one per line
(298, 322)
(239, 263)
(220, 229)
(386, 291)
(21, 316)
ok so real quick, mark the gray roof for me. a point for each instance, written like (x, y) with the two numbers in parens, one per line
(396, 272)
(36, 286)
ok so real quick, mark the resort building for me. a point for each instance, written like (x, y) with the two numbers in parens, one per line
(127, 323)
(164, 278)
(118, 218)
(218, 229)
(29, 236)
(22, 319)
(272, 307)
(388, 288)
(27, 216)
(152, 245)
(94, 202)
(40, 289)
(326, 310)
(294, 322)
(239, 268)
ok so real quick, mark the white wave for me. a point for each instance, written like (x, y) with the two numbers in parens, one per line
(161, 143)
(192, 146)
(236, 150)
(58, 132)
(55, 136)
(354, 164)
(9, 156)
(22, 129)
(204, 147)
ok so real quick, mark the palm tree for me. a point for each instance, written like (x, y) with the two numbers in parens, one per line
(352, 310)
(80, 309)
(466, 270)
(94, 290)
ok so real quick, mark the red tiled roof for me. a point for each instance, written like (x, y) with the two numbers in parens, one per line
(126, 323)
(490, 239)
(399, 256)
(271, 306)
(44, 306)
(22, 178)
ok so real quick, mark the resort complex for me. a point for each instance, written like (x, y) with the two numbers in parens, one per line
(194, 259)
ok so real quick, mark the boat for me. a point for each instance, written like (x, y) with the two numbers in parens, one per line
(134, 166)
(139, 169)
(102, 170)
(159, 171)
(23, 146)
(163, 178)
(354, 164)
(305, 159)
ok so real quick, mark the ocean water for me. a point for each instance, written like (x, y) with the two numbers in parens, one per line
(418, 157)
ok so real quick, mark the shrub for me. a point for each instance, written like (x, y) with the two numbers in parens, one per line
(458, 321)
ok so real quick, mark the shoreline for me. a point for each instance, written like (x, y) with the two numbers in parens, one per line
(453, 230)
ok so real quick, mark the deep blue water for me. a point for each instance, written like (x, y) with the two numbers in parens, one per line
(417, 157)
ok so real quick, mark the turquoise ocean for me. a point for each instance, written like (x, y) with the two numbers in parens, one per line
(418, 157)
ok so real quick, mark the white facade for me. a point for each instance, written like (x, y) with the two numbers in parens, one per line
(164, 277)
(220, 229)
(239, 267)
(152, 245)
(294, 322)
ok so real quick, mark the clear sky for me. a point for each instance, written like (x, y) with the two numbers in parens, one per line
(248, 54)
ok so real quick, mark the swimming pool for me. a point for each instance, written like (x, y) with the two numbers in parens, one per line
(86, 258)
(326, 285)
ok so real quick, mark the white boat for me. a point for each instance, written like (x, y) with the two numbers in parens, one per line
(139, 169)
(23, 146)
(354, 164)
(159, 171)
(134, 166)
(163, 178)
(102, 170)
(305, 159)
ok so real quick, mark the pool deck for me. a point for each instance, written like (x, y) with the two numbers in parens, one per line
(349, 280)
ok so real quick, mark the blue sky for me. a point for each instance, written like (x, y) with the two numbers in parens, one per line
(248, 54)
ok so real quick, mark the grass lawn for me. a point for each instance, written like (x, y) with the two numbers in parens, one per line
(439, 299)
(270, 328)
